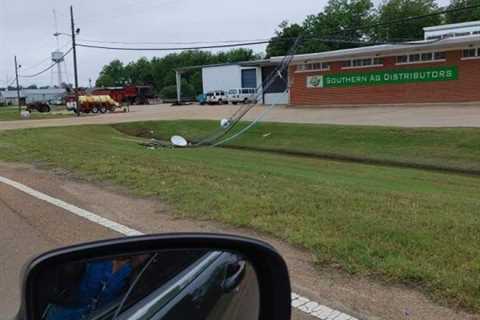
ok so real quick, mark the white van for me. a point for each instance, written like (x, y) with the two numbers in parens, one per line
(244, 95)
(217, 97)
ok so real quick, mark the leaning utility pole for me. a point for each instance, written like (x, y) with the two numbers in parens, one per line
(18, 86)
(75, 70)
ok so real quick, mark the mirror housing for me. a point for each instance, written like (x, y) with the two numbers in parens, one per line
(270, 268)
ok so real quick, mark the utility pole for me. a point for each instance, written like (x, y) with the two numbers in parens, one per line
(75, 70)
(18, 86)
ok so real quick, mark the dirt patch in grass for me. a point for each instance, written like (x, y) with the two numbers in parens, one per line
(433, 148)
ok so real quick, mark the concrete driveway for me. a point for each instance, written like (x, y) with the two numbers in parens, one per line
(462, 115)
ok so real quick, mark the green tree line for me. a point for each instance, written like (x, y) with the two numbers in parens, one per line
(160, 72)
(338, 26)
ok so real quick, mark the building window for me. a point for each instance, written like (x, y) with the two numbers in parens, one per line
(427, 56)
(313, 67)
(453, 35)
(462, 34)
(347, 64)
(440, 55)
(402, 59)
(414, 57)
(471, 53)
(363, 63)
(421, 57)
(378, 61)
(357, 63)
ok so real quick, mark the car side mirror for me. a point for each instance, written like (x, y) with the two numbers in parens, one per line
(170, 276)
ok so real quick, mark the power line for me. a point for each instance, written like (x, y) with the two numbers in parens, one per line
(7, 83)
(37, 64)
(233, 45)
(47, 68)
(221, 44)
(39, 73)
(172, 42)
(240, 43)
(243, 44)
(42, 61)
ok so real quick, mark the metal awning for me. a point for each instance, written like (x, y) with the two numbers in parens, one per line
(386, 49)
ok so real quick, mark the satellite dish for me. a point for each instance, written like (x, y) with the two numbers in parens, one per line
(179, 141)
(225, 123)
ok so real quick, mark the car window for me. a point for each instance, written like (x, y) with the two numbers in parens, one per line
(161, 273)
(62, 299)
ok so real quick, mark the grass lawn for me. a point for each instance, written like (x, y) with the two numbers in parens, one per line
(11, 113)
(407, 226)
(450, 148)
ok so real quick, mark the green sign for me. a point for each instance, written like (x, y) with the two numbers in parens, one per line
(372, 78)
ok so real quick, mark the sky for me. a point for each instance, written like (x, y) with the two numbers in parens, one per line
(27, 28)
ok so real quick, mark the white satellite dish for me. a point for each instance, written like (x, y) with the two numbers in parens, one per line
(225, 123)
(178, 141)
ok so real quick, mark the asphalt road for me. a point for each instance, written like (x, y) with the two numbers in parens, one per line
(461, 115)
(29, 226)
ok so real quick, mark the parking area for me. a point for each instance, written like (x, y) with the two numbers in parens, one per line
(446, 115)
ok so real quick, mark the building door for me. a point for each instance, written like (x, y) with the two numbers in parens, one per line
(249, 78)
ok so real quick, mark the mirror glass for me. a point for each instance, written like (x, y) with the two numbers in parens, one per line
(169, 284)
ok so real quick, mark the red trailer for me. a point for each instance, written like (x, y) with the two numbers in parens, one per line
(129, 94)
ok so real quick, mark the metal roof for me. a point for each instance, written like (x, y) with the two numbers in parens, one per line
(387, 49)
(12, 94)
(452, 26)
(252, 63)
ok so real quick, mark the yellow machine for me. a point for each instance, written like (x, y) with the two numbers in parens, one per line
(97, 104)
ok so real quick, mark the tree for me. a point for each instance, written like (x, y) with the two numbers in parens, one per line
(139, 72)
(337, 27)
(112, 74)
(391, 10)
(170, 92)
(236, 55)
(342, 21)
(284, 39)
(32, 86)
(463, 15)
(160, 72)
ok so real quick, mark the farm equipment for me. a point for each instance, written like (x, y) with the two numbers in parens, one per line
(93, 104)
(129, 94)
(41, 107)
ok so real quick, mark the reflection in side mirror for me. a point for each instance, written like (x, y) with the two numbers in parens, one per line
(169, 284)
(169, 277)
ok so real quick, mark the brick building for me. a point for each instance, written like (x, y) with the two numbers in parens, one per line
(444, 67)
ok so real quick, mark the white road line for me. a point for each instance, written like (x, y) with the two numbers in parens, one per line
(73, 209)
(302, 304)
